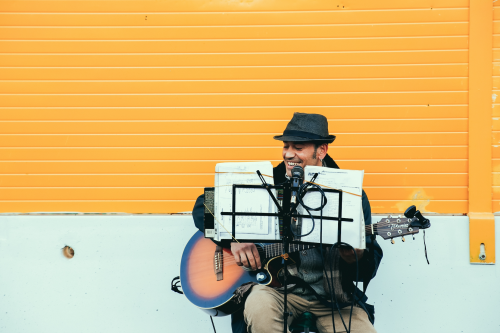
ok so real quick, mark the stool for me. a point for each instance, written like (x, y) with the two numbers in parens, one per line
(305, 323)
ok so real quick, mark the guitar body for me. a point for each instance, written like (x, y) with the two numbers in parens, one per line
(199, 281)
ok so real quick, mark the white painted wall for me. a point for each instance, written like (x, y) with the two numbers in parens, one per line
(119, 279)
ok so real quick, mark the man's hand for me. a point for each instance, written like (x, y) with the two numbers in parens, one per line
(246, 254)
(348, 255)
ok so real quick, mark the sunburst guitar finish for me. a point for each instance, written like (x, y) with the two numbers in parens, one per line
(199, 279)
(199, 282)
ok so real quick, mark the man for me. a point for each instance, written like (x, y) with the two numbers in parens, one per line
(305, 142)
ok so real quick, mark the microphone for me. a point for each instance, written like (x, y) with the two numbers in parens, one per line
(297, 180)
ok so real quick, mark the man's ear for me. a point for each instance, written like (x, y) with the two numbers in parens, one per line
(322, 150)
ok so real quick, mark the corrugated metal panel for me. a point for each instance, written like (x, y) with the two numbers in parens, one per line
(126, 107)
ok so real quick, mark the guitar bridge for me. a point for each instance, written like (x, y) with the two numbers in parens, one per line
(218, 262)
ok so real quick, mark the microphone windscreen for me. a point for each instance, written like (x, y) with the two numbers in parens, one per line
(298, 171)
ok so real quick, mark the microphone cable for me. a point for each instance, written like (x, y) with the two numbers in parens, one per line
(330, 287)
(356, 284)
(324, 201)
(302, 188)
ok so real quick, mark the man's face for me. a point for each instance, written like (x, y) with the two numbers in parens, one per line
(302, 153)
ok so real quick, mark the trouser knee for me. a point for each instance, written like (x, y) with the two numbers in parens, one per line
(262, 309)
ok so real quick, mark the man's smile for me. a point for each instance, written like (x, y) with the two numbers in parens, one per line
(302, 154)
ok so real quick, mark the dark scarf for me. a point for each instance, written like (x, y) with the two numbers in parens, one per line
(331, 258)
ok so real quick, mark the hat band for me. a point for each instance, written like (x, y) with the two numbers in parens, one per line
(302, 134)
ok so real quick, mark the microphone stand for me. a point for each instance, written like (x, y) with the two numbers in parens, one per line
(287, 220)
(291, 190)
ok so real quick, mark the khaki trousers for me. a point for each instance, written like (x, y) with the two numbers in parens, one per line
(264, 313)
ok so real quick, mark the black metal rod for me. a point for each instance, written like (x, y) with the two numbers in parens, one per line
(266, 186)
(287, 220)
(271, 241)
(249, 214)
(340, 219)
(328, 218)
(233, 210)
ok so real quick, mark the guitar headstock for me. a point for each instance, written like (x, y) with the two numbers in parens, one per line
(392, 227)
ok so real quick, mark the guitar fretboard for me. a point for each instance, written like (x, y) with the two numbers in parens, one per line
(274, 250)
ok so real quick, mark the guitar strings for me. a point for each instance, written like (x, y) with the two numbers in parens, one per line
(229, 259)
(383, 224)
(274, 250)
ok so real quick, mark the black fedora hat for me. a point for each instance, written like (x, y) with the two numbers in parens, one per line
(307, 127)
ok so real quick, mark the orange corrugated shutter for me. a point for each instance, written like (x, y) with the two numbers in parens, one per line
(127, 106)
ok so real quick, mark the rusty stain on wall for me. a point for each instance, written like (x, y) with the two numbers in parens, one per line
(418, 198)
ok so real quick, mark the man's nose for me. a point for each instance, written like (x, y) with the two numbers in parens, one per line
(289, 154)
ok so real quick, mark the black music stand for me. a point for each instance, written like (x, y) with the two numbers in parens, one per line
(285, 213)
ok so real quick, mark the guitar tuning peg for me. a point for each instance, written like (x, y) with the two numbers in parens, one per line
(392, 240)
(403, 238)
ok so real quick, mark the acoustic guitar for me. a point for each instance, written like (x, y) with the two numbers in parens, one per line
(209, 274)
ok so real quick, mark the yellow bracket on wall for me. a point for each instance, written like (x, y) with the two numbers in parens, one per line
(481, 220)
(482, 238)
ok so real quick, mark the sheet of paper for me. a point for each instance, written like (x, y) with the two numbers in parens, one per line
(348, 181)
(247, 200)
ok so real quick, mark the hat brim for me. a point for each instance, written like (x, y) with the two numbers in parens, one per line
(328, 139)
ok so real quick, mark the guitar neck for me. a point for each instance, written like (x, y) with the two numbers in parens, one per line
(274, 250)
(388, 225)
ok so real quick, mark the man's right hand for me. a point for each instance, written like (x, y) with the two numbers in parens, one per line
(246, 254)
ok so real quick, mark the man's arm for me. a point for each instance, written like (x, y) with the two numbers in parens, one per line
(245, 254)
(199, 219)
(199, 212)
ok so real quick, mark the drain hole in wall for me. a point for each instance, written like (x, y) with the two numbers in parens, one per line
(68, 252)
